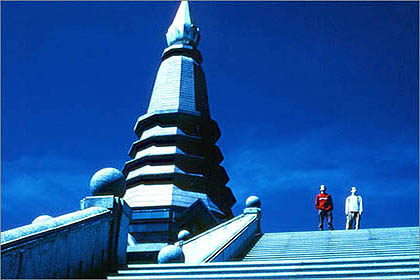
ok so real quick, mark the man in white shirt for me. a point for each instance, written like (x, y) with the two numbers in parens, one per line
(354, 209)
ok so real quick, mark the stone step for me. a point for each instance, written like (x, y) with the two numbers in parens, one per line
(266, 242)
(335, 235)
(352, 253)
(409, 258)
(338, 240)
(294, 257)
(341, 274)
(341, 238)
(392, 230)
(332, 249)
(346, 233)
(283, 259)
(274, 268)
(287, 251)
(325, 251)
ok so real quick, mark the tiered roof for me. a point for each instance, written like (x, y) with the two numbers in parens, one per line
(176, 161)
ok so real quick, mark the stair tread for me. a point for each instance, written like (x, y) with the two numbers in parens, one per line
(347, 273)
(411, 264)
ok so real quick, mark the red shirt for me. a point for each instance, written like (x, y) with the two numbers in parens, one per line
(323, 201)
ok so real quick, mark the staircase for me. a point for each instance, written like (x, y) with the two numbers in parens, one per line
(391, 253)
(337, 244)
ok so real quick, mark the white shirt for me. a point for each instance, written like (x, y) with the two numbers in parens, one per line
(354, 204)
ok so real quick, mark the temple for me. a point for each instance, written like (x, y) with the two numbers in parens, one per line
(167, 214)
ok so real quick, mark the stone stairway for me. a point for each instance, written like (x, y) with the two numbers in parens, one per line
(391, 253)
(336, 244)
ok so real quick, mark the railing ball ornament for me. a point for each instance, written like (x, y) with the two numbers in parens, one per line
(183, 235)
(171, 254)
(253, 201)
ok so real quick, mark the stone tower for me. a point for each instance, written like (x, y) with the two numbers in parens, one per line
(174, 179)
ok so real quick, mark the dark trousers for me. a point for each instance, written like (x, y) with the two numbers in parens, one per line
(353, 217)
(325, 214)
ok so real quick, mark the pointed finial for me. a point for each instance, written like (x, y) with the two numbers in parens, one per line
(182, 29)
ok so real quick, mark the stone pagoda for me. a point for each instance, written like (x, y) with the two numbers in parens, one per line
(174, 179)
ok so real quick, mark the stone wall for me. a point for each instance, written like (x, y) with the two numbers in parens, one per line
(87, 243)
(69, 246)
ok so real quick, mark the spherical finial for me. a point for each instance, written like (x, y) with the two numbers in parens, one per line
(253, 201)
(108, 181)
(183, 235)
(171, 254)
(42, 219)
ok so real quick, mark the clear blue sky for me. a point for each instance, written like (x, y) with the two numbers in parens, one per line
(305, 93)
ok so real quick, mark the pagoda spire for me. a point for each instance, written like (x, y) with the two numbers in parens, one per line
(175, 163)
(182, 30)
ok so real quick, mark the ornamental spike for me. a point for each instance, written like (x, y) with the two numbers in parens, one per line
(182, 30)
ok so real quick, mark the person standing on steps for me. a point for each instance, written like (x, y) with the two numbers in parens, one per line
(354, 209)
(324, 205)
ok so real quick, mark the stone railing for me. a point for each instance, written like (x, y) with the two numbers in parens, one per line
(85, 243)
(60, 247)
(221, 243)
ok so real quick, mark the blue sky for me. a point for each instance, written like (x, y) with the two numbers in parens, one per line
(305, 93)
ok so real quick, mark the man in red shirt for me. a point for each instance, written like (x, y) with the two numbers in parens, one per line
(324, 205)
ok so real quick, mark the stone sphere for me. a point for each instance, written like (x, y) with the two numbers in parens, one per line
(108, 181)
(42, 219)
(183, 234)
(253, 201)
(171, 254)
